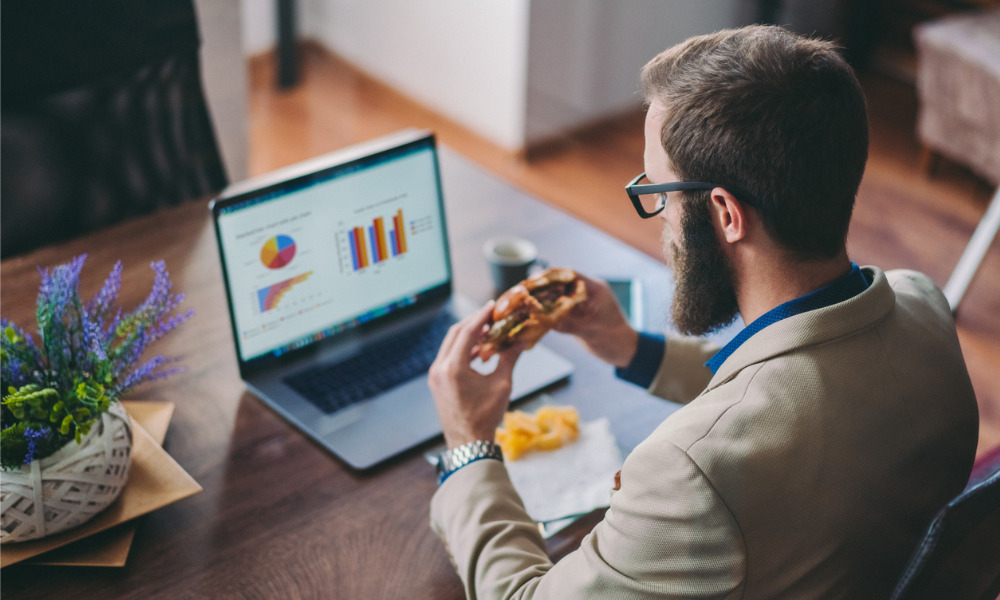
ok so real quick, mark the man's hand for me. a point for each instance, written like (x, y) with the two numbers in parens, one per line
(470, 405)
(601, 325)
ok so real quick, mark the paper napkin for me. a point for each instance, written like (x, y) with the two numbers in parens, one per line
(570, 481)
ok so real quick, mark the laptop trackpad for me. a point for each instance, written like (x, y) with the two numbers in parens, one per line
(405, 415)
(366, 433)
(343, 418)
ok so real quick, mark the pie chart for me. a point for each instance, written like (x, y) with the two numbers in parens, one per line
(277, 251)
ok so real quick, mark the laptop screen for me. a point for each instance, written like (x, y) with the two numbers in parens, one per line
(324, 252)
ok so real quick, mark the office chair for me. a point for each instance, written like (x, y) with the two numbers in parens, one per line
(103, 116)
(959, 556)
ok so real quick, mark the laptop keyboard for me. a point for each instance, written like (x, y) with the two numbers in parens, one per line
(379, 367)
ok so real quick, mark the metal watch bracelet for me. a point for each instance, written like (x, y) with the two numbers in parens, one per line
(459, 456)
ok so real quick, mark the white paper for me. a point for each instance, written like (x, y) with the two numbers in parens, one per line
(572, 480)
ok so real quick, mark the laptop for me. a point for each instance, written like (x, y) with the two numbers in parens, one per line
(339, 284)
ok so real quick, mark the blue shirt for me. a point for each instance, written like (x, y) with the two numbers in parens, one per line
(651, 348)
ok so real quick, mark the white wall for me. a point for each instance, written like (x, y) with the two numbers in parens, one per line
(225, 81)
(514, 71)
(465, 59)
(585, 55)
(259, 30)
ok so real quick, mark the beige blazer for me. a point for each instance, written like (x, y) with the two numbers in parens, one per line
(807, 467)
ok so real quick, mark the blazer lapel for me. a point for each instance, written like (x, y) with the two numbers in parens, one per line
(814, 327)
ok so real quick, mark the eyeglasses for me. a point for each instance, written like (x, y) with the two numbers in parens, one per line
(649, 199)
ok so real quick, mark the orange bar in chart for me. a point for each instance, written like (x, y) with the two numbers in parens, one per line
(359, 241)
(367, 260)
(359, 255)
(380, 248)
(400, 231)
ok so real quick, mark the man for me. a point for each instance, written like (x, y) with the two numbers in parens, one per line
(815, 447)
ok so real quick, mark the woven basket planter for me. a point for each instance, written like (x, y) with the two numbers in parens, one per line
(71, 486)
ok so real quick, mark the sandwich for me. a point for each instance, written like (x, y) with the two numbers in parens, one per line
(527, 311)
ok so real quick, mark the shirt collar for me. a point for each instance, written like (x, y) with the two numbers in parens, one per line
(843, 288)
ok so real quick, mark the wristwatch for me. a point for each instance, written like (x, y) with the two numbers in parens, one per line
(452, 460)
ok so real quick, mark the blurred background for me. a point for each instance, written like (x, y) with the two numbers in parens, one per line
(543, 94)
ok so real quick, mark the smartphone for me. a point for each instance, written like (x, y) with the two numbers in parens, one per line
(628, 292)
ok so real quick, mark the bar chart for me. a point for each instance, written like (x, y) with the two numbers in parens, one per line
(374, 243)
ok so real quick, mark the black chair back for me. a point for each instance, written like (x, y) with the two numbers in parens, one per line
(103, 116)
(959, 556)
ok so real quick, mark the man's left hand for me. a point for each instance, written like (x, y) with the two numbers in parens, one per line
(470, 404)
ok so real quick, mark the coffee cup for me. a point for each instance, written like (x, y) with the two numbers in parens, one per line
(511, 259)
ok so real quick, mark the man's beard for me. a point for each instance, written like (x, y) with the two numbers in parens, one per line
(704, 294)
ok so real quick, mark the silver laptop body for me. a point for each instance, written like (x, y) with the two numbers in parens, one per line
(325, 260)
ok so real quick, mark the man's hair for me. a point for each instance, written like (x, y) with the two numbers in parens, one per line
(776, 114)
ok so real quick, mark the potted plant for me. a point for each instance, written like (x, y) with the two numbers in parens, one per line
(65, 446)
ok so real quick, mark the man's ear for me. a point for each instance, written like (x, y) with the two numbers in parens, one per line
(729, 215)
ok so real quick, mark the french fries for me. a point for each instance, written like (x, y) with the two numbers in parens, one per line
(549, 428)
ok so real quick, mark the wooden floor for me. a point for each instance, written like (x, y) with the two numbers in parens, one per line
(904, 218)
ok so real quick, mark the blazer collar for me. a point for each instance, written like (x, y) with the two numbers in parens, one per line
(813, 327)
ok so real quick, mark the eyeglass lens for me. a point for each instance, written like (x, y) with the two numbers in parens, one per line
(652, 202)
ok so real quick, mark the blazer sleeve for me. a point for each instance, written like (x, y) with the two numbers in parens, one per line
(683, 374)
(666, 535)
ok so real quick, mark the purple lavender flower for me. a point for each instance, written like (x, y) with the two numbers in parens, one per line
(60, 284)
(143, 373)
(108, 294)
(13, 372)
(33, 436)
(160, 294)
(20, 355)
(57, 311)
(93, 347)
(4, 324)
(93, 340)
(166, 326)
(113, 326)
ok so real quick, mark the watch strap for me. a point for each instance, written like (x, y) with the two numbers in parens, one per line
(454, 459)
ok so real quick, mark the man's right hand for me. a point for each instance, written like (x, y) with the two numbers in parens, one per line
(601, 325)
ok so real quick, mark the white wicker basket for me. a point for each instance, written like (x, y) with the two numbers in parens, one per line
(71, 486)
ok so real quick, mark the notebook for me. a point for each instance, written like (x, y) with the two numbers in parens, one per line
(339, 286)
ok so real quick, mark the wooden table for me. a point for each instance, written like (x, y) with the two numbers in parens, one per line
(279, 516)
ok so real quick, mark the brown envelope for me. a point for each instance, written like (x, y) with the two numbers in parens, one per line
(156, 480)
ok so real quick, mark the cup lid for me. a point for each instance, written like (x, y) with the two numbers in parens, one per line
(509, 250)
